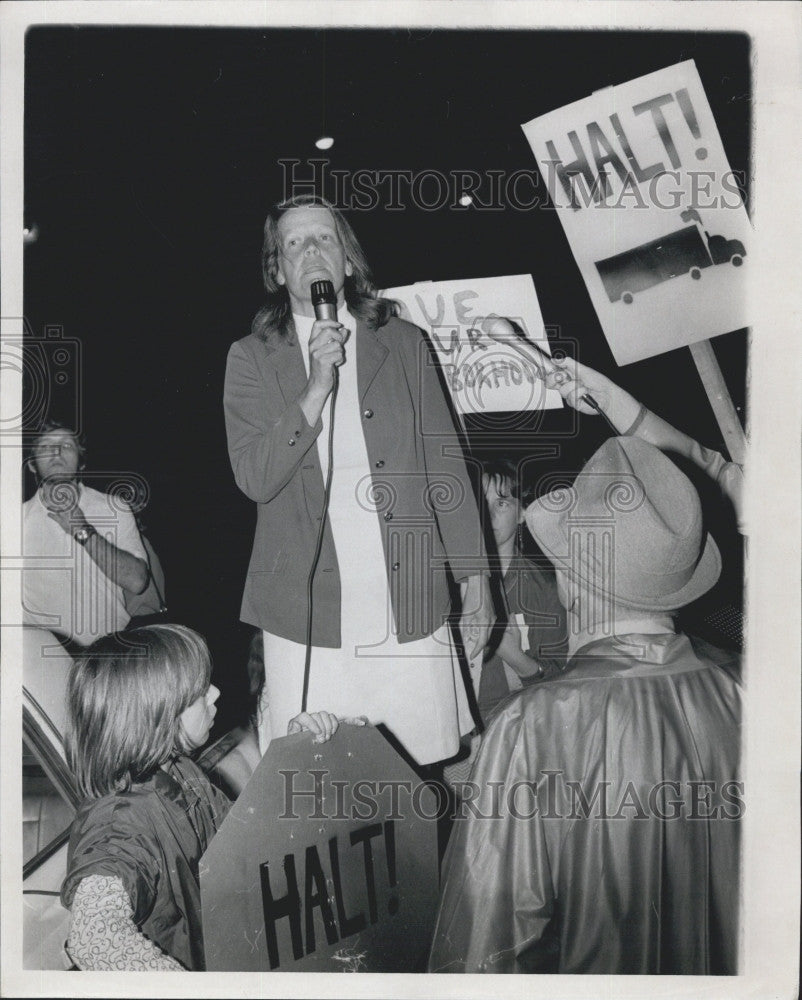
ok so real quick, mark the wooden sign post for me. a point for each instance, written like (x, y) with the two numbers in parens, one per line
(718, 394)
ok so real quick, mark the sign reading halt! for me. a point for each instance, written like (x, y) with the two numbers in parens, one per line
(326, 862)
(654, 214)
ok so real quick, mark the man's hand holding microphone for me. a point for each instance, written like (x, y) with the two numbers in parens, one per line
(326, 351)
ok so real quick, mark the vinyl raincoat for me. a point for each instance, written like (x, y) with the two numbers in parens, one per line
(603, 833)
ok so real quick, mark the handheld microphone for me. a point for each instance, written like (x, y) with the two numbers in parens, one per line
(324, 301)
(502, 331)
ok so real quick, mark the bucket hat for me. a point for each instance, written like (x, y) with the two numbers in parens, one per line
(630, 528)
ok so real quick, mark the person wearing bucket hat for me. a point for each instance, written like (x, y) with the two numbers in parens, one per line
(630, 530)
(603, 835)
(575, 381)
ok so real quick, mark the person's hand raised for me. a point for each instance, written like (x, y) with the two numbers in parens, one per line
(574, 380)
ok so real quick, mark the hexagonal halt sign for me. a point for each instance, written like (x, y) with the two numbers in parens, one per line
(327, 861)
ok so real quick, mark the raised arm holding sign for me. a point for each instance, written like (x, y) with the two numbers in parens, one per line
(629, 417)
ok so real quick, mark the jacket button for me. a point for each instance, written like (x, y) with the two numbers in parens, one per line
(388, 516)
(367, 414)
(380, 464)
(291, 442)
(396, 566)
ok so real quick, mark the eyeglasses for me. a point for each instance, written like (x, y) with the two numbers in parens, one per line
(50, 450)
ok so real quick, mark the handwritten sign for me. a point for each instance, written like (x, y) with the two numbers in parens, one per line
(651, 209)
(326, 862)
(484, 375)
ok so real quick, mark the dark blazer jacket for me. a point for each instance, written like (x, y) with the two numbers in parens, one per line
(419, 485)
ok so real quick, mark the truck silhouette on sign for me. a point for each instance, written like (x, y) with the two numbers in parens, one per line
(685, 251)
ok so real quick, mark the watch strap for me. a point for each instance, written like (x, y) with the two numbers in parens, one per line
(83, 534)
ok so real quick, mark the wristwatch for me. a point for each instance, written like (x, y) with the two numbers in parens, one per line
(82, 535)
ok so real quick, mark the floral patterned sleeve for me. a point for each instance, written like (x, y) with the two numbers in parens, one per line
(103, 936)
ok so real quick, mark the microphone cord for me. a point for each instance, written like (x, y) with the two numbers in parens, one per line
(319, 542)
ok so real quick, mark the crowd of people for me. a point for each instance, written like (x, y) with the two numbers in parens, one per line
(369, 551)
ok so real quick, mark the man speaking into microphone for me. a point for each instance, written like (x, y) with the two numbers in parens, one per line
(356, 397)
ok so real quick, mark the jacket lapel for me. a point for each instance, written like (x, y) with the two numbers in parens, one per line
(371, 355)
(283, 359)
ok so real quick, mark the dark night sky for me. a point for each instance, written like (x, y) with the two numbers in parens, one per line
(151, 158)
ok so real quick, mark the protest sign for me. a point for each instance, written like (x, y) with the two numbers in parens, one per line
(483, 374)
(651, 209)
(327, 861)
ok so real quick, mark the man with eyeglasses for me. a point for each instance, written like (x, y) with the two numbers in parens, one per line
(82, 549)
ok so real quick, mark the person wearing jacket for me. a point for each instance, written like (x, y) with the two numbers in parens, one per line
(402, 519)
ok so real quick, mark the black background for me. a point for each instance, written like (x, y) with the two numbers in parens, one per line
(151, 157)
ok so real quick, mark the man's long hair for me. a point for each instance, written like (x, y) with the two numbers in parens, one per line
(361, 296)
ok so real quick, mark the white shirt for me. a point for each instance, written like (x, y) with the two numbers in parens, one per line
(62, 587)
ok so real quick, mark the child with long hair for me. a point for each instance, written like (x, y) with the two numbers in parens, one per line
(140, 703)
